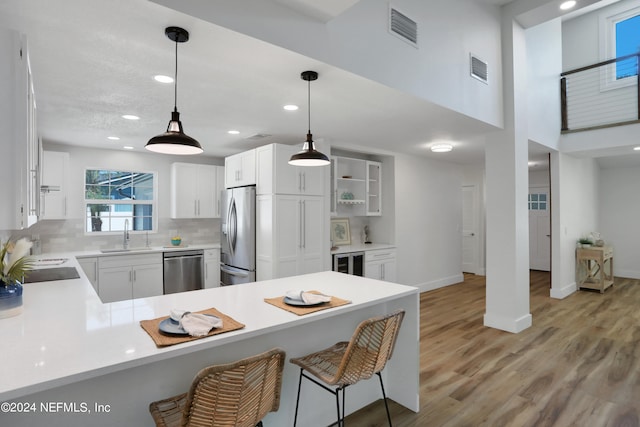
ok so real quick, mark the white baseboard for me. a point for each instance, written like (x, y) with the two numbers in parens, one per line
(628, 274)
(508, 324)
(440, 283)
(560, 293)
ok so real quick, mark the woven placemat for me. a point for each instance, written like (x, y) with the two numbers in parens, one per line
(301, 310)
(163, 340)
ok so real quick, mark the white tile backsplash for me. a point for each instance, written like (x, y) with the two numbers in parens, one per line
(69, 235)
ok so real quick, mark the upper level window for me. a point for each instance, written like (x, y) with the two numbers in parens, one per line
(620, 35)
(113, 198)
(627, 43)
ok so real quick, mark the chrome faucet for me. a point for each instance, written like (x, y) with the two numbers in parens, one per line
(125, 242)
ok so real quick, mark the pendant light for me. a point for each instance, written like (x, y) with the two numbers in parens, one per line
(174, 140)
(309, 156)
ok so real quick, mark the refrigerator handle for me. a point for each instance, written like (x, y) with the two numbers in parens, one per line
(234, 223)
(228, 226)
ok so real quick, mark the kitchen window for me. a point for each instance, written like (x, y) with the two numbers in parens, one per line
(112, 197)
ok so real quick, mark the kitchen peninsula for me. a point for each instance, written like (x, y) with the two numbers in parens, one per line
(71, 360)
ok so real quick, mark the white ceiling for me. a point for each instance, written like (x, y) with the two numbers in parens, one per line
(93, 60)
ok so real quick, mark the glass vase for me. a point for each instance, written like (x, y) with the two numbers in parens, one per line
(10, 299)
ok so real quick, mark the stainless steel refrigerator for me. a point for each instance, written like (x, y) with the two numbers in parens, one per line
(238, 236)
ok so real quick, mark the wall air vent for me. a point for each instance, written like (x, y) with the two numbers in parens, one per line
(402, 26)
(478, 69)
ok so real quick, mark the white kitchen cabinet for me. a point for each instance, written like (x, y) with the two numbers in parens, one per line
(219, 189)
(374, 188)
(125, 277)
(54, 185)
(276, 176)
(356, 187)
(194, 191)
(380, 264)
(240, 169)
(90, 267)
(290, 236)
(211, 268)
(20, 143)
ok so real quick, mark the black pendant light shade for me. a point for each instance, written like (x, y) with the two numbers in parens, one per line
(174, 140)
(309, 156)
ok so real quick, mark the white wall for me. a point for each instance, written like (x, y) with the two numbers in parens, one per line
(544, 60)
(619, 212)
(575, 198)
(428, 222)
(358, 41)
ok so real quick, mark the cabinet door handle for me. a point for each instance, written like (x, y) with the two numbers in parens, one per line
(300, 224)
(198, 207)
(383, 271)
(134, 276)
(65, 206)
(304, 224)
(195, 207)
(299, 181)
(304, 181)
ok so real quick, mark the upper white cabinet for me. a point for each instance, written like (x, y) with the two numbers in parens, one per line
(54, 185)
(240, 169)
(276, 176)
(374, 188)
(194, 191)
(19, 144)
(356, 187)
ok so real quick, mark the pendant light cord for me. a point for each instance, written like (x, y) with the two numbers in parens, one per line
(175, 82)
(309, 103)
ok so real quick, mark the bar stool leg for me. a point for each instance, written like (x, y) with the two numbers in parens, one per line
(295, 417)
(384, 397)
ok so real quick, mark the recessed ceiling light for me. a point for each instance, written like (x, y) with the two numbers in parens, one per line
(290, 107)
(127, 147)
(163, 79)
(637, 148)
(130, 117)
(567, 4)
(113, 138)
(441, 148)
(234, 132)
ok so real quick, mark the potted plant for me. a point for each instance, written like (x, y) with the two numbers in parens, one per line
(585, 242)
(14, 265)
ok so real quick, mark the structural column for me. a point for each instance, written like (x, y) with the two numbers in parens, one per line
(507, 305)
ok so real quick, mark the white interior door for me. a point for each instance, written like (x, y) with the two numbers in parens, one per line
(469, 229)
(539, 229)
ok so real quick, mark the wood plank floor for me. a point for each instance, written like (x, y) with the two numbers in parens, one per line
(578, 365)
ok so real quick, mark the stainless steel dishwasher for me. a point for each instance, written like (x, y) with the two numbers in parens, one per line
(183, 271)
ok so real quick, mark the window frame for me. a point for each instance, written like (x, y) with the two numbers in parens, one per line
(153, 202)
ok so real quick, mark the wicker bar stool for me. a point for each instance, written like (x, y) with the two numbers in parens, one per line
(346, 363)
(237, 394)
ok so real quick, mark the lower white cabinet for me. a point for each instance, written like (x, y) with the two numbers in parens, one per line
(211, 268)
(126, 277)
(380, 264)
(90, 268)
(290, 235)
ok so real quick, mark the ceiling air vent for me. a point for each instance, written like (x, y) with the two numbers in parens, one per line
(479, 69)
(403, 26)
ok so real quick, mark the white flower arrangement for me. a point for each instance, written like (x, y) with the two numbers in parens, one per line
(14, 261)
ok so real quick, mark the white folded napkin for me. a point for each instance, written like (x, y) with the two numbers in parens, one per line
(199, 325)
(307, 297)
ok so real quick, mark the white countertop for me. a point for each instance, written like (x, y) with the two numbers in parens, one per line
(66, 334)
(137, 250)
(359, 247)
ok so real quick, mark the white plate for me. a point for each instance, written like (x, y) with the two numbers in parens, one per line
(170, 326)
(297, 302)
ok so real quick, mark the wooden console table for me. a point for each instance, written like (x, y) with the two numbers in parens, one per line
(594, 267)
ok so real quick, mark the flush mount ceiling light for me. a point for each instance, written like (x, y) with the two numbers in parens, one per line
(130, 117)
(233, 132)
(567, 5)
(636, 148)
(113, 138)
(163, 79)
(290, 107)
(309, 156)
(174, 140)
(441, 148)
